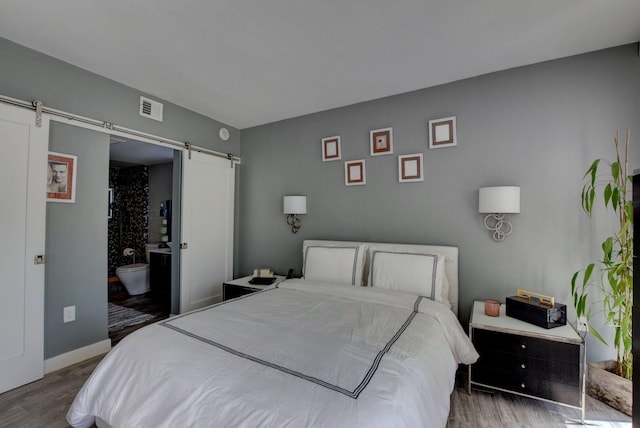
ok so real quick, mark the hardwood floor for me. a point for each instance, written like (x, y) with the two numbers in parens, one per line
(143, 303)
(497, 409)
(45, 403)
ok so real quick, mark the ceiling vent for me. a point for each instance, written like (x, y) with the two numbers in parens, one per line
(150, 109)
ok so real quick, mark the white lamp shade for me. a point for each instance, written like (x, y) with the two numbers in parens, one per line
(499, 200)
(295, 204)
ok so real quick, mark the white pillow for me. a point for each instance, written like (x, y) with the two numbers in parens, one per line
(444, 296)
(416, 273)
(337, 264)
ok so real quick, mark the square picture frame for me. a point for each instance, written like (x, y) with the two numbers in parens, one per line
(442, 133)
(411, 168)
(381, 141)
(331, 149)
(355, 173)
(61, 177)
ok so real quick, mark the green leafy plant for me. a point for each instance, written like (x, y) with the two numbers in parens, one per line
(613, 275)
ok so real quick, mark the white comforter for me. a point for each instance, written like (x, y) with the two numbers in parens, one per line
(302, 354)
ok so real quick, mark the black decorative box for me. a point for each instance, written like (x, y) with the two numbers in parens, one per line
(257, 280)
(537, 312)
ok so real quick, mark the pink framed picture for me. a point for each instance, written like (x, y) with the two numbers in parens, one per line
(61, 177)
(331, 149)
(410, 168)
(442, 133)
(381, 141)
(355, 173)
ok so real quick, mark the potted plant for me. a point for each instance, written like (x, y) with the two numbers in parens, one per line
(612, 276)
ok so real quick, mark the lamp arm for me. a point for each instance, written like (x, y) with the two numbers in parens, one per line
(294, 222)
(501, 229)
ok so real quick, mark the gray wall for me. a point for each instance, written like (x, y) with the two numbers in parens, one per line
(538, 127)
(77, 275)
(30, 75)
(76, 245)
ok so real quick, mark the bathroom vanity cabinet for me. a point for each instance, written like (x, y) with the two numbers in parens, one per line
(160, 278)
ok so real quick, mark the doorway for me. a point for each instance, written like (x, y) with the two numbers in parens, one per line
(78, 275)
(75, 250)
(140, 235)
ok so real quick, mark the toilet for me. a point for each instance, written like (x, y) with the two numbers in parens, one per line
(135, 277)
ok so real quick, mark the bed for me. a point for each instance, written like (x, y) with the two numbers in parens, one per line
(368, 337)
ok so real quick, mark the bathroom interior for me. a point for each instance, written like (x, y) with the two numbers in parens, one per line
(139, 230)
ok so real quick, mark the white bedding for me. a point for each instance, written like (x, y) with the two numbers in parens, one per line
(299, 354)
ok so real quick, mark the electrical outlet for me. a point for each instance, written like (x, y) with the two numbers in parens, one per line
(581, 324)
(69, 313)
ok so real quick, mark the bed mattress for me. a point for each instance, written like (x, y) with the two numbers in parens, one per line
(297, 354)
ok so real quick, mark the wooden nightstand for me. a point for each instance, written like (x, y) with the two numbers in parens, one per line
(528, 360)
(240, 286)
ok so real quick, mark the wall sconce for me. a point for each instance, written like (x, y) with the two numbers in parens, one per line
(294, 205)
(498, 201)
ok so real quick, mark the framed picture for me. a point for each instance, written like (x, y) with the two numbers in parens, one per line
(61, 177)
(355, 173)
(442, 133)
(331, 149)
(381, 141)
(410, 168)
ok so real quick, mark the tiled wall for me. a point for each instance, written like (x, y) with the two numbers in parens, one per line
(129, 224)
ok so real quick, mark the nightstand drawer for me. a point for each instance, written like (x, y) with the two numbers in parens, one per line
(525, 346)
(547, 369)
(528, 384)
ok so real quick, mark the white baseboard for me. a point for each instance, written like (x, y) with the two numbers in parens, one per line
(77, 355)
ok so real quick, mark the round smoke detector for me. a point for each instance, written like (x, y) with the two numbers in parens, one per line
(224, 134)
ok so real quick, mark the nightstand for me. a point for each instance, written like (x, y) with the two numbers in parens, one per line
(524, 359)
(241, 286)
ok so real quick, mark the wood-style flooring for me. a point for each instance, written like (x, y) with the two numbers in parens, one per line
(45, 403)
(486, 409)
(143, 303)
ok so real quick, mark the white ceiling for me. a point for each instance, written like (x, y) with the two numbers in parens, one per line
(127, 152)
(250, 62)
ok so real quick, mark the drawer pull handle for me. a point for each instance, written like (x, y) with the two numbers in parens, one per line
(524, 346)
(522, 385)
(523, 366)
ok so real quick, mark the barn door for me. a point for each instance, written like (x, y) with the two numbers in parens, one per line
(206, 256)
(23, 178)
